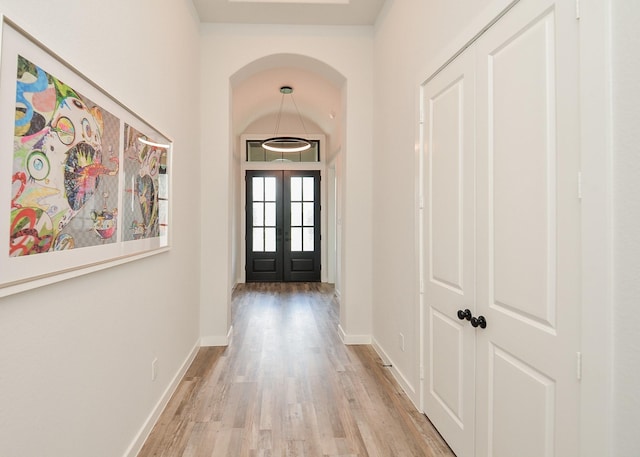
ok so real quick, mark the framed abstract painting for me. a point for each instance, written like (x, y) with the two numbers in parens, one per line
(86, 181)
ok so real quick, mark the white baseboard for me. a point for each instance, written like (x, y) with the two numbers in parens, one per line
(144, 432)
(353, 339)
(400, 378)
(216, 340)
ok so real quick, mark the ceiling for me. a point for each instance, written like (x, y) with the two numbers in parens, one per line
(304, 12)
(257, 97)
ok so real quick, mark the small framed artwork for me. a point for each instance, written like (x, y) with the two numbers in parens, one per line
(85, 182)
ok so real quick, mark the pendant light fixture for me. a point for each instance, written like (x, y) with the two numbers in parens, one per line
(286, 143)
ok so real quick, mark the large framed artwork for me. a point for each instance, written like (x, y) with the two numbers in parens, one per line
(84, 182)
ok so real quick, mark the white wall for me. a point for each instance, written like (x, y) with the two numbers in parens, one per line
(75, 357)
(625, 42)
(229, 48)
(413, 38)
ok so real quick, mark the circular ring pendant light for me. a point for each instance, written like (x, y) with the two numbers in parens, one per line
(286, 143)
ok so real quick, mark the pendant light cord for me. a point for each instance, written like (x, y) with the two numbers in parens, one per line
(275, 133)
(304, 127)
(299, 115)
(287, 144)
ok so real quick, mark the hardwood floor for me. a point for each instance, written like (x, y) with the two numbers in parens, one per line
(286, 386)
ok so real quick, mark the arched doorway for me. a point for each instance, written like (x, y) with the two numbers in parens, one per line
(255, 101)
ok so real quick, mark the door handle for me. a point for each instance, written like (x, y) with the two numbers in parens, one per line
(480, 321)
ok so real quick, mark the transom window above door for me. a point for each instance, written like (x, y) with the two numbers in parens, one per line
(256, 153)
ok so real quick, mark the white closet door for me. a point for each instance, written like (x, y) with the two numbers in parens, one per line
(449, 282)
(528, 233)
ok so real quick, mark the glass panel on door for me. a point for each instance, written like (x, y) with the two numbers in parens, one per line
(264, 214)
(302, 213)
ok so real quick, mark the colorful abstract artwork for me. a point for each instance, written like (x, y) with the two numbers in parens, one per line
(86, 180)
(145, 165)
(65, 167)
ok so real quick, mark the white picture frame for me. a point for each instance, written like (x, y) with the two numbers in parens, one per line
(85, 181)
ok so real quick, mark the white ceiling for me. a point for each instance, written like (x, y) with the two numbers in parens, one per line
(306, 12)
(259, 95)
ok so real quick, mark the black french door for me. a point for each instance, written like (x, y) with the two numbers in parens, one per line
(282, 225)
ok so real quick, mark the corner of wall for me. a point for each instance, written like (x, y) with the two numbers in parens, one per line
(217, 340)
(351, 339)
(153, 417)
(398, 375)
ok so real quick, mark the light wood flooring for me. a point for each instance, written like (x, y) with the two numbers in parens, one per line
(286, 386)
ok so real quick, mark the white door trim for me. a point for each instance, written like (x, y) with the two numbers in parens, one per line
(596, 189)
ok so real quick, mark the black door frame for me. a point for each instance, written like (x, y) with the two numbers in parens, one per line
(283, 264)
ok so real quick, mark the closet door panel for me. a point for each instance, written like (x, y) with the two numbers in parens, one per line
(449, 355)
(522, 172)
(511, 375)
(446, 180)
(528, 233)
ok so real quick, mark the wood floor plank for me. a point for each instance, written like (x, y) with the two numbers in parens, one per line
(286, 386)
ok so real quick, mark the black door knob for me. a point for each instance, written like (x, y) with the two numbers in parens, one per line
(466, 314)
(480, 321)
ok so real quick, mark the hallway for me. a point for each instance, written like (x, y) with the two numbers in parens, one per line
(287, 386)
